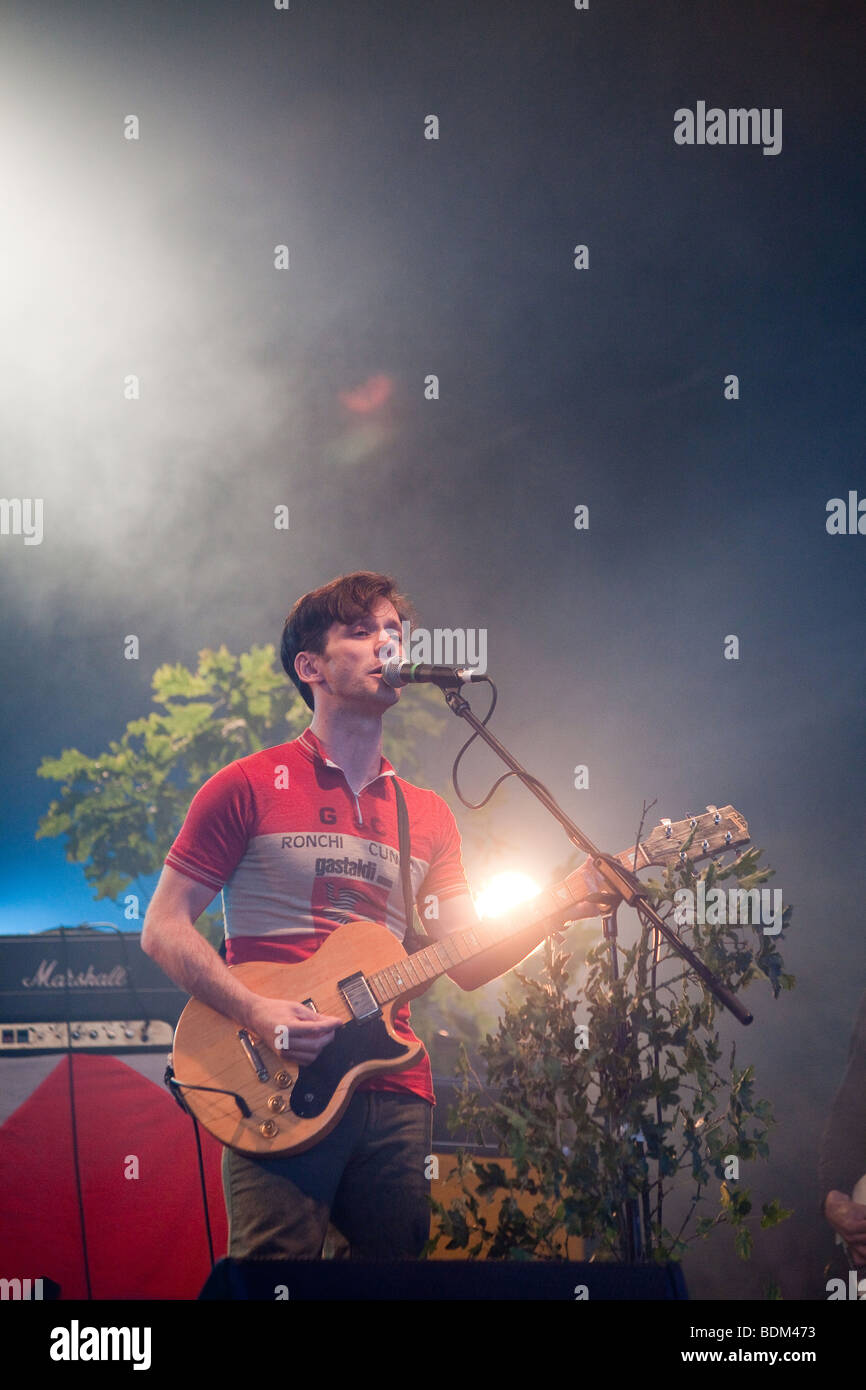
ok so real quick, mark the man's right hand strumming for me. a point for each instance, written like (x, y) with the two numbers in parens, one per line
(170, 938)
(293, 1030)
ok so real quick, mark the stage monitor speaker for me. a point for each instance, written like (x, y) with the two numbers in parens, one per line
(401, 1280)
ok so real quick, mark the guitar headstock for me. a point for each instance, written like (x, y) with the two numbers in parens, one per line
(718, 829)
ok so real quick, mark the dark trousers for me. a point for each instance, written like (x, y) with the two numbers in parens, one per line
(368, 1177)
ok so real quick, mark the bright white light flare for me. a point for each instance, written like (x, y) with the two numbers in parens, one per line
(503, 892)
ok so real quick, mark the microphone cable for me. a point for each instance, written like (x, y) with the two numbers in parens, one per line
(525, 777)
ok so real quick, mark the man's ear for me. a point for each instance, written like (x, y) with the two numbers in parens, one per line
(306, 666)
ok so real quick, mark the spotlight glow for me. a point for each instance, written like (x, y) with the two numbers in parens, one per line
(503, 892)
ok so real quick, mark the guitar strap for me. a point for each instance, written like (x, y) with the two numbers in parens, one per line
(415, 937)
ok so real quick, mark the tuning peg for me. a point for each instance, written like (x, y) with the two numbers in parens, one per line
(705, 845)
(717, 815)
(666, 822)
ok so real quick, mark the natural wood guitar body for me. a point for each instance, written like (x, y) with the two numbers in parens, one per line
(209, 1053)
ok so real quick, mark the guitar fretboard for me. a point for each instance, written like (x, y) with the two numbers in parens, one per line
(717, 830)
(451, 950)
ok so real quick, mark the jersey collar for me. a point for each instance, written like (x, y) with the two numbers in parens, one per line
(313, 749)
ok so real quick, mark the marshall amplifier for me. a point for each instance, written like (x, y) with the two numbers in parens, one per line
(83, 989)
(86, 1021)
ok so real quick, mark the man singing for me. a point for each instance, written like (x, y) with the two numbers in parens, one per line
(296, 856)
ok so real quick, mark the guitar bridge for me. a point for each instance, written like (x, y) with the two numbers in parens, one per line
(359, 997)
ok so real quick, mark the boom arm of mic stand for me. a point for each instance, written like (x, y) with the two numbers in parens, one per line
(625, 886)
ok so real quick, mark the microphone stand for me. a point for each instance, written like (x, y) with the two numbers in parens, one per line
(622, 886)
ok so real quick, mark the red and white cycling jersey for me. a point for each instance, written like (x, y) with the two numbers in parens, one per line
(296, 853)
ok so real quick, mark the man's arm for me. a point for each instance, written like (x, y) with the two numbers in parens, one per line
(169, 937)
(458, 914)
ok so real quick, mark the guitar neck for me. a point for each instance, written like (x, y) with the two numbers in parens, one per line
(716, 830)
(553, 905)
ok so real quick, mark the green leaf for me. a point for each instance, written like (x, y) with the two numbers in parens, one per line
(743, 1242)
(773, 1213)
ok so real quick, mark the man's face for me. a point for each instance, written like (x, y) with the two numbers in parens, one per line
(354, 653)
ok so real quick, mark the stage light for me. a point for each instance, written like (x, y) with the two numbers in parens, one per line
(503, 892)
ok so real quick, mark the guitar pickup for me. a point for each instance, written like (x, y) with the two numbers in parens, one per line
(359, 997)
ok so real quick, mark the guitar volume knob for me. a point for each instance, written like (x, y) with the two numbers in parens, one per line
(268, 1129)
(276, 1104)
(283, 1080)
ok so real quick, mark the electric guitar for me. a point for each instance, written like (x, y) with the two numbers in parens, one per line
(255, 1100)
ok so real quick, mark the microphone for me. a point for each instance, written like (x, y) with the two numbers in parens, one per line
(397, 673)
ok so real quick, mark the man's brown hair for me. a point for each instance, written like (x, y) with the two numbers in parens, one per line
(343, 600)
